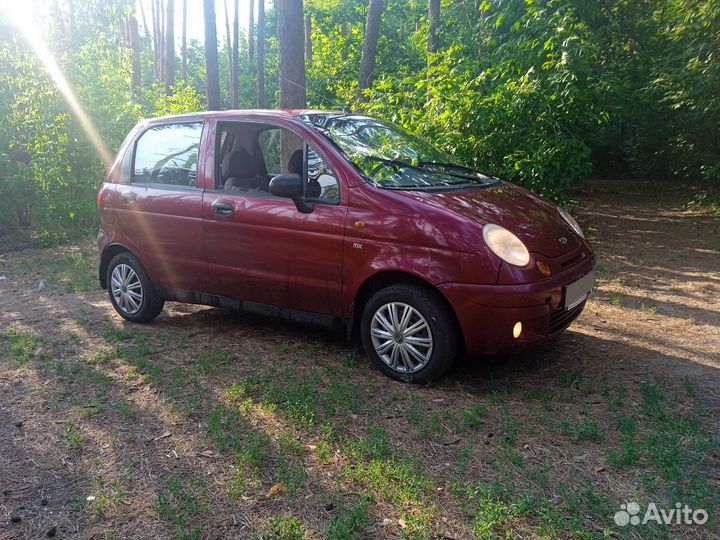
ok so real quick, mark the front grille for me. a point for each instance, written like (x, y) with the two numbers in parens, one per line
(561, 319)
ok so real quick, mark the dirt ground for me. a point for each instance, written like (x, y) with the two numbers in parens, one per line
(207, 424)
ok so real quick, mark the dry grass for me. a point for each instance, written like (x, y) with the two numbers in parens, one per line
(206, 424)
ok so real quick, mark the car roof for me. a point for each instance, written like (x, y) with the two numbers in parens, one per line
(239, 114)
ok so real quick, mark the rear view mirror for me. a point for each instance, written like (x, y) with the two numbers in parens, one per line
(290, 186)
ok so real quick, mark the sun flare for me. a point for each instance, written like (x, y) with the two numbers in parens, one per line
(22, 16)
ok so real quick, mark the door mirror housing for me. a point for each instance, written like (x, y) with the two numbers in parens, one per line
(290, 186)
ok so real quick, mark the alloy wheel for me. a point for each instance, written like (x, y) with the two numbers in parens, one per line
(401, 337)
(126, 289)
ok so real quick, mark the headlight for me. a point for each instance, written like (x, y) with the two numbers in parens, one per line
(505, 245)
(571, 221)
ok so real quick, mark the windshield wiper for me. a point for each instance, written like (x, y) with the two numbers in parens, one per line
(472, 174)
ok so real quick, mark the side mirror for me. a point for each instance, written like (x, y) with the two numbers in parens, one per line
(290, 186)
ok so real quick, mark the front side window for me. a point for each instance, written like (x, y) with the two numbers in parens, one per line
(321, 183)
(390, 157)
(168, 154)
(278, 147)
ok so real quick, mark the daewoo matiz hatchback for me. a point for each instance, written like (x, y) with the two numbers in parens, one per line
(340, 220)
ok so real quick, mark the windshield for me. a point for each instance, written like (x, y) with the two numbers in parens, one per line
(390, 157)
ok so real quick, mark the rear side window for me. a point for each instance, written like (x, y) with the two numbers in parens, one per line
(168, 154)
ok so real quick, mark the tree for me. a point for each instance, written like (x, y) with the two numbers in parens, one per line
(292, 52)
(308, 39)
(236, 56)
(261, 55)
(155, 35)
(212, 83)
(369, 52)
(169, 70)
(184, 41)
(434, 25)
(135, 46)
(251, 23)
(229, 43)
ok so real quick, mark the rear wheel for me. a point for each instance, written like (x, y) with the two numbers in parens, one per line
(409, 333)
(131, 292)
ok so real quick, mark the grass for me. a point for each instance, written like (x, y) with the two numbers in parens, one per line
(581, 431)
(73, 436)
(515, 456)
(706, 201)
(182, 505)
(286, 528)
(22, 345)
(648, 309)
(351, 521)
(74, 271)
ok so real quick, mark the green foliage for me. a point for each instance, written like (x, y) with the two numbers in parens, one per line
(184, 99)
(541, 93)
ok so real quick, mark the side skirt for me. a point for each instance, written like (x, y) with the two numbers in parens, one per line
(264, 310)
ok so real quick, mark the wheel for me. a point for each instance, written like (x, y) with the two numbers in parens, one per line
(131, 292)
(409, 333)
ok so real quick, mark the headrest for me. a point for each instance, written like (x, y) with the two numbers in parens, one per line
(295, 165)
(239, 164)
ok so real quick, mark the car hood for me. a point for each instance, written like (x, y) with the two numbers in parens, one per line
(533, 219)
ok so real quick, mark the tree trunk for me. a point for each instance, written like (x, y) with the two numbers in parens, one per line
(144, 19)
(170, 47)
(434, 21)
(251, 24)
(292, 61)
(229, 44)
(161, 39)
(71, 21)
(211, 56)
(236, 55)
(135, 46)
(372, 34)
(184, 41)
(261, 55)
(308, 39)
(155, 32)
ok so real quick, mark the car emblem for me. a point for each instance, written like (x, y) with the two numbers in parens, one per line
(562, 240)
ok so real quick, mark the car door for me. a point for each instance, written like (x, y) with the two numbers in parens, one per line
(158, 209)
(259, 247)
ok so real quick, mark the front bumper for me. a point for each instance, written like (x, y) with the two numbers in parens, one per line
(488, 313)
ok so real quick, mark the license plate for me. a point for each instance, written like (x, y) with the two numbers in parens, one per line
(579, 290)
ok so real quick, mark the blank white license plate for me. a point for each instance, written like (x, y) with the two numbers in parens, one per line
(579, 290)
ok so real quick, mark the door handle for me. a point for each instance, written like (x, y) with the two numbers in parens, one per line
(221, 208)
(128, 197)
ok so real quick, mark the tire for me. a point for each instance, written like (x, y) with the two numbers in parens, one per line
(437, 343)
(138, 301)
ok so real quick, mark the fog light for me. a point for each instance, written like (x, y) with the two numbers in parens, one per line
(517, 329)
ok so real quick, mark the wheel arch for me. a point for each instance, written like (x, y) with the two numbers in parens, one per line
(379, 281)
(108, 253)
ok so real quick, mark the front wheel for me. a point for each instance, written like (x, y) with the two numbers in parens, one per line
(409, 333)
(131, 292)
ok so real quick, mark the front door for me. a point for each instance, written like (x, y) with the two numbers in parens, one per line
(259, 247)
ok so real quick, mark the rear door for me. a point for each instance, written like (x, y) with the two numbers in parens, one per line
(159, 208)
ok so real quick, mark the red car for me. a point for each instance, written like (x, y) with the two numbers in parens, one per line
(340, 220)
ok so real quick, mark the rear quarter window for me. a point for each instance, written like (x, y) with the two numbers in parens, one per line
(168, 154)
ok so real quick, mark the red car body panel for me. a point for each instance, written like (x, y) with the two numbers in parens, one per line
(268, 252)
